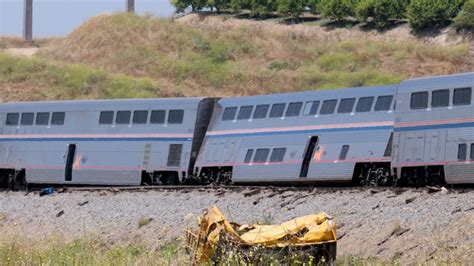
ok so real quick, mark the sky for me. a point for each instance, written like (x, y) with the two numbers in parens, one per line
(59, 17)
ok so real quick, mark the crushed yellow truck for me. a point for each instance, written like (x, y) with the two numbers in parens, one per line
(308, 239)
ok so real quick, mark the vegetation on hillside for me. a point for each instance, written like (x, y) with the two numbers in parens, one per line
(465, 18)
(217, 60)
(24, 79)
(421, 13)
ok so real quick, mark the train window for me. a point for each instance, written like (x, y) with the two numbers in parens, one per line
(245, 112)
(277, 155)
(42, 119)
(462, 96)
(123, 117)
(462, 152)
(27, 119)
(472, 151)
(344, 151)
(175, 116)
(106, 117)
(383, 103)
(346, 105)
(311, 108)
(365, 104)
(248, 156)
(277, 110)
(328, 107)
(440, 98)
(12, 119)
(419, 100)
(294, 109)
(229, 113)
(140, 117)
(157, 117)
(261, 111)
(261, 155)
(57, 118)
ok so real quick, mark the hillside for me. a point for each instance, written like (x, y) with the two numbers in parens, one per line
(222, 56)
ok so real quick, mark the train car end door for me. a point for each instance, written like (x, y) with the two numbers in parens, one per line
(308, 154)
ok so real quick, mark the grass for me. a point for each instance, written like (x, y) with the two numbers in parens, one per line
(24, 78)
(220, 60)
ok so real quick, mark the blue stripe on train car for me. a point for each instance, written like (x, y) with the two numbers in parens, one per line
(329, 130)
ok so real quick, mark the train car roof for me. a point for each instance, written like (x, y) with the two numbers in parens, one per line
(437, 82)
(325, 94)
(114, 104)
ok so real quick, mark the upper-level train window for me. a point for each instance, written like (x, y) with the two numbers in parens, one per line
(472, 151)
(311, 108)
(462, 96)
(229, 113)
(383, 103)
(140, 117)
(57, 118)
(344, 151)
(261, 111)
(245, 112)
(277, 155)
(365, 104)
(106, 117)
(462, 152)
(42, 119)
(12, 119)
(123, 117)
(440, 98)
(175, 116)
(261, 155)
(27, 119)
(328, 107)
(419, 100)
(346, 105)
(277, 110)
(294, 109)
(157, 117)
(248, 156)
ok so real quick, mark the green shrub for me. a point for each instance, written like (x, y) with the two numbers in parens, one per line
(432, 13)
(291, 8)
(337, 9)
(465, 18)
(261, 8)
(383, 12)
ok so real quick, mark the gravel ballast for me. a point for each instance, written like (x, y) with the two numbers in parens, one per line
(408, 224)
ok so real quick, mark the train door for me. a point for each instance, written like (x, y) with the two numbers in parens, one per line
(71, 154)
(310, 147)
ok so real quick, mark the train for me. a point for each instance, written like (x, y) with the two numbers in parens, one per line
(418, 132)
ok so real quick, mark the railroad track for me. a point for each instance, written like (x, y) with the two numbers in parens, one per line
(239, 188)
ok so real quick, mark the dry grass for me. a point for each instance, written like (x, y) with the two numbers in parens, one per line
(17, 42)
(28, 79)
(194, 59)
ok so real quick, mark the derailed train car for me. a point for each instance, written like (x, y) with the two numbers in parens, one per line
(314, 136)
(417, 132)
(434, 130)
(104, 142)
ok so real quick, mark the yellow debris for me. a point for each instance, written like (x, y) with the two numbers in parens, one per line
(303, 231)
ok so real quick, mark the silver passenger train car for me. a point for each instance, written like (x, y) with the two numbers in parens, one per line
(330, 135)
(420, 131)
(434, 130)
(101, 142)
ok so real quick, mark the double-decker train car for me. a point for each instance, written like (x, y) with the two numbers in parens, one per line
(313, 136)
(417, 132)
(104, 142)
(434, 130)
